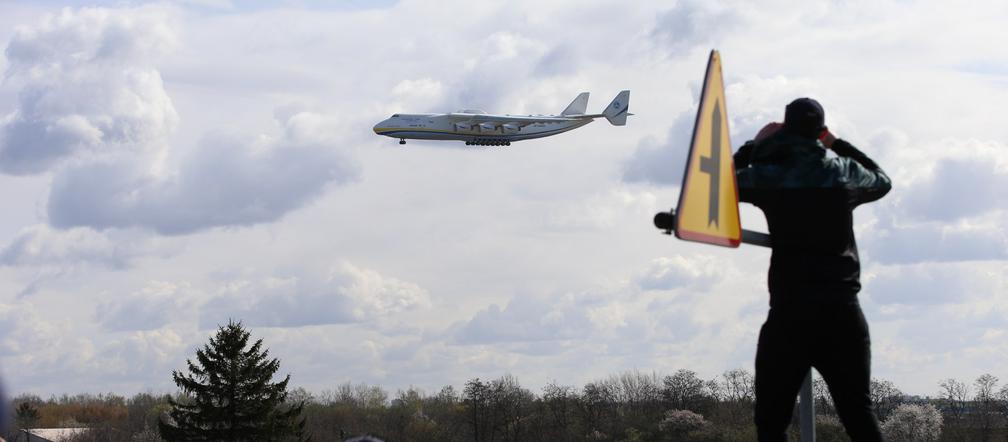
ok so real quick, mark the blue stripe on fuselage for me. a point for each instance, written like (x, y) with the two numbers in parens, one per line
(494, 136)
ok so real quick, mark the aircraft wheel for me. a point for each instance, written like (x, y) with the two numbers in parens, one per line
(508, 143)
(401, 141)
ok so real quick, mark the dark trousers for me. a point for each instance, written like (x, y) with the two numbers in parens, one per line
(833, 338)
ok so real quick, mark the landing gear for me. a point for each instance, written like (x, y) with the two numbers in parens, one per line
(402, 141)
(488, 142)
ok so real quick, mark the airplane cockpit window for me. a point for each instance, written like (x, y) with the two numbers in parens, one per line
(395, 116)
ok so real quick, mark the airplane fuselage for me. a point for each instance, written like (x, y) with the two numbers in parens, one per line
(480, 128)
(445, 127)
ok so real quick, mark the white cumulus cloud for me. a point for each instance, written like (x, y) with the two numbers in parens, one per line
(344, 294)
(90, 93)
(87, 86)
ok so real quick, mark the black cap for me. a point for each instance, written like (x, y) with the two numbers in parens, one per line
(805, 116)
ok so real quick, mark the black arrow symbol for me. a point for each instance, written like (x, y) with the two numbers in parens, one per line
(712, 165)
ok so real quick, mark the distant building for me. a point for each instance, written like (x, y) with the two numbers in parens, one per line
(48, 434)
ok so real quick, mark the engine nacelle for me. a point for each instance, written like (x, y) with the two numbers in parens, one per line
(463, 126)
(488, 126)
(510, 128)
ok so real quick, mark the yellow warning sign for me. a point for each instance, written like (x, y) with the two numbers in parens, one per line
(708, 202)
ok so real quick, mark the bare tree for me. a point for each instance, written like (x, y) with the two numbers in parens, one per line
(738, 385)
(476, 397)
(1002, 404)
(885, 396)
(511, 404)
(596, 407)
(954, 395)
(715, 389)
(498, 410)
(986, 404)
(559, 404)
(683, 390)
(641, 404)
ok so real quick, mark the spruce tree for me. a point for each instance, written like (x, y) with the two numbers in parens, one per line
(228, 395)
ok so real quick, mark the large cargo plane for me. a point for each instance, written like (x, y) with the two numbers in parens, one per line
(478, 128)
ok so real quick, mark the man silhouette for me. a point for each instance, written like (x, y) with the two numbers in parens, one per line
(814, 320)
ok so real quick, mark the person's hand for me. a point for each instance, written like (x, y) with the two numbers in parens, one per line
(769, 129)
(827, 138)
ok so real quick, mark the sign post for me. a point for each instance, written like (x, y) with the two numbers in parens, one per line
(708, 202)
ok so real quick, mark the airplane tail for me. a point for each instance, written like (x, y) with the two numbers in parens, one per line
(578, 106)
(618, 110)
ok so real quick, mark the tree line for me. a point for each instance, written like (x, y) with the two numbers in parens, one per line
(228, 393)
(631, 406)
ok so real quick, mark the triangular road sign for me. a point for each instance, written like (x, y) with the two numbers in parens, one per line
(708, 202)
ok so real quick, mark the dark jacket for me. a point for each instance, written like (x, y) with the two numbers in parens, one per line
(808, 201)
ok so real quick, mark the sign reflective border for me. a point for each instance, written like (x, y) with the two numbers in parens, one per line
(708, 203)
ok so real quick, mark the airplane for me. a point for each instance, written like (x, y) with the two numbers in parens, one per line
(478, 128)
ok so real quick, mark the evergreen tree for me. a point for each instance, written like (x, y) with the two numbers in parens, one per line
(228, 395)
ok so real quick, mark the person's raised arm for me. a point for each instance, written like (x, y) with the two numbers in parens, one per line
(864, 175)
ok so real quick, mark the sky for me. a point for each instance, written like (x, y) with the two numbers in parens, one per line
(166, 167)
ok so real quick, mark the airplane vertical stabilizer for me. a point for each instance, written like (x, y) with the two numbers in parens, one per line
(618, 110)
(577, 107)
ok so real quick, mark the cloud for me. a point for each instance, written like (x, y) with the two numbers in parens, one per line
(599, 212)
(41, 245)
(958, 188)
(698, 273)
(149, 309)
(345, 294)
(87, 88)
(621, 316)
(38, 347)
(525, 320)
(527, 225)
(754, 101)
(560, 60)
(141, 352)
(489, 78)
(226, 182)
(690, 24)
(418, 90)
(928, 284)
(90, 94)
(662, 162)
(916, 242)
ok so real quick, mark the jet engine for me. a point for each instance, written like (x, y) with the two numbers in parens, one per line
(463, 126)
(488, 126)
(510, 128)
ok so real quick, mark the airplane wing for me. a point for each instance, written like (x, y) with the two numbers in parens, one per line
(504, 119)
